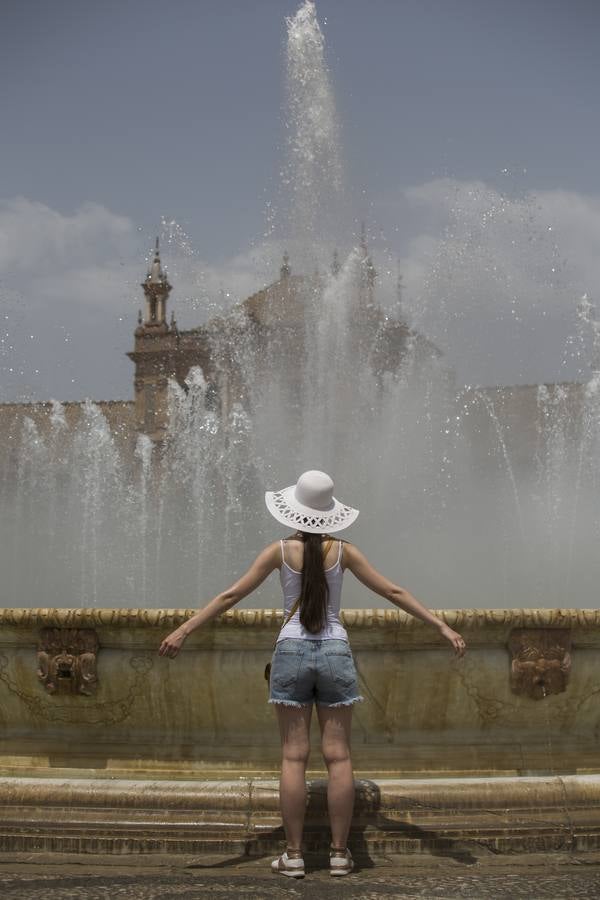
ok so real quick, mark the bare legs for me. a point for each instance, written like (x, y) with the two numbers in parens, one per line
(335, 743)
(294, 727)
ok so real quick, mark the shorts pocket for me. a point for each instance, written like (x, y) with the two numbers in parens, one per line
(342, 667)
(285, 668)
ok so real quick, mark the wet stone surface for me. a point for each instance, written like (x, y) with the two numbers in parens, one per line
(54, 877)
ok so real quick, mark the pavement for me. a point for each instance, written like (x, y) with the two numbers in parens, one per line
(474, 874)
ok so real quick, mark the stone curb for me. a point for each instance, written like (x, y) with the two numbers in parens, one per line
(408, 816)
(262, 794)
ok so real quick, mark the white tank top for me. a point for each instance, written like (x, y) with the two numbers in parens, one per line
(291, 582)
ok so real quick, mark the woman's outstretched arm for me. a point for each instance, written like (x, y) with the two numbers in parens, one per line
(263, 565)
(360, 566)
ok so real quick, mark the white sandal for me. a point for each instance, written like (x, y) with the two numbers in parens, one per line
(289, 863)
(340, 861)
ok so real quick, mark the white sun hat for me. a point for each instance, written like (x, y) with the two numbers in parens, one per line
(309, 505)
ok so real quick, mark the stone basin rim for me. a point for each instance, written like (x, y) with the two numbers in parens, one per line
(363, 618)
(502, 792)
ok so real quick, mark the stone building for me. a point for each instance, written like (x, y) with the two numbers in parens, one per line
(272, 321)
(272, 324)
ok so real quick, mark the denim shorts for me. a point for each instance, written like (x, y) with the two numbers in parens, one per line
(305, 672)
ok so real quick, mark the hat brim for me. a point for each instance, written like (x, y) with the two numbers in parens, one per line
(284, 507)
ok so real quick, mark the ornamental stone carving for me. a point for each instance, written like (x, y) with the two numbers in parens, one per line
(92, 617)
(67, 660)
(541, 661)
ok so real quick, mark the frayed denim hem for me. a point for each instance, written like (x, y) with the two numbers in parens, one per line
(342, 703)
(289, 703)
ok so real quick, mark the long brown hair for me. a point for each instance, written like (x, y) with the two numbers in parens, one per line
(315, 590)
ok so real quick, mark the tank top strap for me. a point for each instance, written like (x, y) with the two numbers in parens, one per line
(339, 556)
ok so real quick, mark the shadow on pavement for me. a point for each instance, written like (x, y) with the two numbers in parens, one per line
(370, 834)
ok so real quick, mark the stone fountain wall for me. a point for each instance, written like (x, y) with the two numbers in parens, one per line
(84, 691)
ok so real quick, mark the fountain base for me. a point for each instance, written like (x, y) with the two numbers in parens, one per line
(183, 755)
(241, 817)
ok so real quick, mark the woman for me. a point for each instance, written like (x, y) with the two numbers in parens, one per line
(312, 662)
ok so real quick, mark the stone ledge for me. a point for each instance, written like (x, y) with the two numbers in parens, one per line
(410, 816)
(272, 618)
(261, 794)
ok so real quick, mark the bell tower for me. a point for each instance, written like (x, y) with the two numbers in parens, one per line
(154, 354)
(157, 289)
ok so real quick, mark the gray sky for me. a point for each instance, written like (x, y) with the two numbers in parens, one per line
(470, 132)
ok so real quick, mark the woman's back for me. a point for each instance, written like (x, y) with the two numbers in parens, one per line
(292, 556)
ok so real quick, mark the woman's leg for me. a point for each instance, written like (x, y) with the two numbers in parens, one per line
(335, 725)
(294, 727)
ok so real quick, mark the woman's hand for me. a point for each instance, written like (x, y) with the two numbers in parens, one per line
(172, 643)
(455, 639)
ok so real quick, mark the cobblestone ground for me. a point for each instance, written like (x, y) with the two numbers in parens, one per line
(54, 877)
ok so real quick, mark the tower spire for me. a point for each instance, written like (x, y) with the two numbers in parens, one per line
(157, 289)
(153, 353)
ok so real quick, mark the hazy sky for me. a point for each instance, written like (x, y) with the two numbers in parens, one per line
(470, 137)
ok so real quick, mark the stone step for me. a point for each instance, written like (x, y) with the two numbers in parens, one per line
(241, 817)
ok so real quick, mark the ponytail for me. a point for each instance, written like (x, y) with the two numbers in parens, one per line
(314, 593)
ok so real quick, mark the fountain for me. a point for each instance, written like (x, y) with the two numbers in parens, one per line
(488, 503)
(323, 370)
